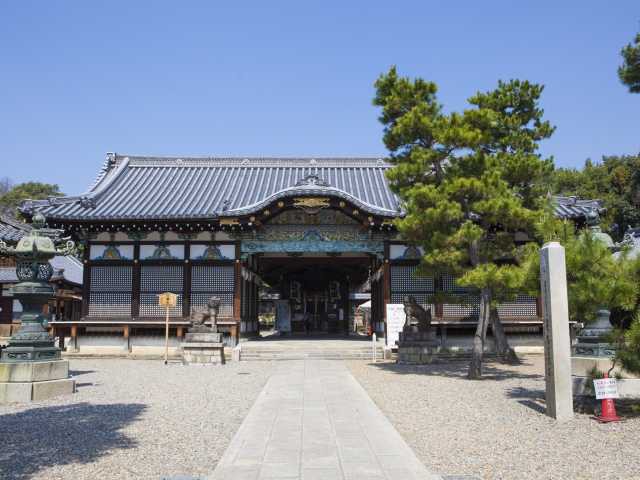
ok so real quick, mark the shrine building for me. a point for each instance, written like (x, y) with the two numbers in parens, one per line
(314, 233)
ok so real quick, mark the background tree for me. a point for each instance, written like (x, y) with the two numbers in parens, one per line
(469, 182)
(615, 180)
(596, 279)
(11, 200)
(628, 350)
(5, 185)
(629, 71)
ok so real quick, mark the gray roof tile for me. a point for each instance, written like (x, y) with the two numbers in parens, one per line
(66, 267)
(158, 188)
(132, 188)
(12, 230)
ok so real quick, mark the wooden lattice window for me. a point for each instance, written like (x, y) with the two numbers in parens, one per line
(212, 280)
(524, 306)
(110, 294)
(156, 279)
(405, 282)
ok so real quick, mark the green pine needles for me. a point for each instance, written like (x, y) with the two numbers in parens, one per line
(472, 184)
(629, 71)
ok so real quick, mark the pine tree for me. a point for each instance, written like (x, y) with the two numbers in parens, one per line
(471, 184)
(629, 71)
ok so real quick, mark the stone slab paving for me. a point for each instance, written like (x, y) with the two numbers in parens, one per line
(312, 421)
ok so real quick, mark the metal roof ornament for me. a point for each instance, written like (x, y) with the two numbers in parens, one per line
(87, 202)
(312, 180)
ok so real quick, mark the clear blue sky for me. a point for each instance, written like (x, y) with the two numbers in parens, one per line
(78, 79)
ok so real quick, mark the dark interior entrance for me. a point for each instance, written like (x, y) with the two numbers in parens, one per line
(316, 289)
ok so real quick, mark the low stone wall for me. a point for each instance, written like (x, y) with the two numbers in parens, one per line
(582, 367)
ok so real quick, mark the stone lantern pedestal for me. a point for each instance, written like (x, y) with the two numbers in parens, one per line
(31, 368)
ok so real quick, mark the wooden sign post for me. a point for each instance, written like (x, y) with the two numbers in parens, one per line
(167, 300)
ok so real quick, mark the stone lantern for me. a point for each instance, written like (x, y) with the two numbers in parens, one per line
(592, 340)
(31, 367)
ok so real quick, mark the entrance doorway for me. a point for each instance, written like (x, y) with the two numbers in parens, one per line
(319, 290)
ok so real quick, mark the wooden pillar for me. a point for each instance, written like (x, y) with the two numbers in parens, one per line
(186, 282)
(74, 337)
(86, 281)
(386, 291)
(180, 332)
(437, 288)
(539, 307)
(125, 334)
(346, 307)
(237, 295)
(135, 282)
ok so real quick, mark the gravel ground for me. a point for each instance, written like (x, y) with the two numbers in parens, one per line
(495, 427)
(130, 419)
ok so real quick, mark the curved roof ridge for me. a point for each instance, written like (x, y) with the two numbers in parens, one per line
(133, 187)
(309, 190)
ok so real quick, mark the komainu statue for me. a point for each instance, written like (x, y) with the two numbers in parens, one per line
(200, 316)
(417, 318)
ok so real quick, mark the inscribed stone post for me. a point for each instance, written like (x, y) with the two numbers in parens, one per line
(557, 343)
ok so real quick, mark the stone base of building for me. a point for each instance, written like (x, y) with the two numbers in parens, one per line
(582, 368)
(34, 381)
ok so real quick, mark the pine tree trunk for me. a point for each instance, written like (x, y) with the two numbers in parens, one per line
(504, 351)
(475, 367)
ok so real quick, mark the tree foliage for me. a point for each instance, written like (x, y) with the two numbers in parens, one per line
(628, 352)
(11, 200)
(470, 182)
(596, 279)
(615, 181)
(629, 71)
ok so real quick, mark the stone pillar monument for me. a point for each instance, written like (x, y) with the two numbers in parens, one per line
(557, 342)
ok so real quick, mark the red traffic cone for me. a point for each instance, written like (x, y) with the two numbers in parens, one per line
(608, 413)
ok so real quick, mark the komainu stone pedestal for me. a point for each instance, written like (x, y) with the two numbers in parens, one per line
(417, 342)
(34, 381)
(203, 348)
(417, 347)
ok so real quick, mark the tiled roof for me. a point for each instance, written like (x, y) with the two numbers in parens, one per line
(12, 230)
(159, 188)
(67, 268)
(131, 187)
(572, 208)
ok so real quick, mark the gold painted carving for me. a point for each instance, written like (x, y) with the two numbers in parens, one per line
(229, 221)
(311, 202)
(311, 205)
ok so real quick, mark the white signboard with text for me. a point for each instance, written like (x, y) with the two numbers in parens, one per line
(606, 388)
(395, 322)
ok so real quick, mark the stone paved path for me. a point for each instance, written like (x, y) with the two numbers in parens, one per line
(313, 421)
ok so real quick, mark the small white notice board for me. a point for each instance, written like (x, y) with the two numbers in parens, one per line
(395, 322)
(606, 388)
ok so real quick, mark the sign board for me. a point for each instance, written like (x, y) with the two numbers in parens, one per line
(605, 388)
(395, 322)
(167, 299)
